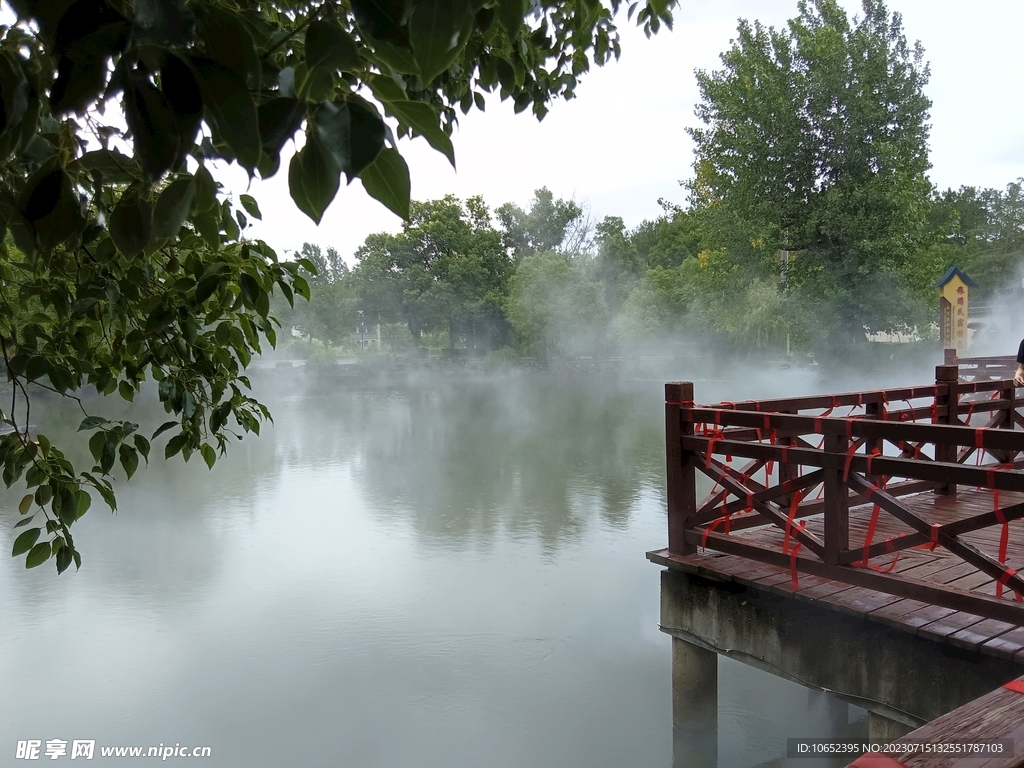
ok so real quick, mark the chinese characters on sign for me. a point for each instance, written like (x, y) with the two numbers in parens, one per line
(954, 303)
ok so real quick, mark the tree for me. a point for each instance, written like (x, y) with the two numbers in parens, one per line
(126, 261)
(554, 306)
(550, 225)
(816, 136)
(445, 269)
(330, 315)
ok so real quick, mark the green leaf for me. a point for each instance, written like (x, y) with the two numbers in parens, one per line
(25, 505)
(382, 19)
(330, 46)
(142, 446)
(27, 521)
(66, 506)
(108, 455)
(437, 33)
(209, 455)
(231, 108)
(113, 166)
(228, 41)
(424, 121)
(367, 134)
(173, 207)
(25, 541)
(82, 503)
(386, 88)
(334, 126)
(181, 91)
(91, 422)
(131, 225)
(43, 495)
(64, 558)
(249, 203)
(38, 555)
(510, 14)
(279, 119)
(151, 122)
(126, 391)
(163, 428)
(313, 178)
(387, 180)
(174, 445)
(129, 459)
(206, 191)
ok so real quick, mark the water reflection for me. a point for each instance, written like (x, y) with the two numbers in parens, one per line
(445, 573)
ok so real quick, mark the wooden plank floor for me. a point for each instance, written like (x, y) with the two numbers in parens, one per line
(996, 715)
(987, 636)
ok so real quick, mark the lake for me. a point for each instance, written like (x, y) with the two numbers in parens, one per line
(443, 573)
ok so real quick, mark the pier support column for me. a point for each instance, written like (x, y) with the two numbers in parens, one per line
(694, 706)
(882, 729)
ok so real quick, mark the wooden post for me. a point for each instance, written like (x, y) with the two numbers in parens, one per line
(681, 470)
(874, 409)
(786, 471)
(1008, 393)
(947, 380)
(949, 357)
(837, 502)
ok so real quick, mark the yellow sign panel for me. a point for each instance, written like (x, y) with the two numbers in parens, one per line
(954, 302)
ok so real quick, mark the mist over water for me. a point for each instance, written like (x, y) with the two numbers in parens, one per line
(447, 571)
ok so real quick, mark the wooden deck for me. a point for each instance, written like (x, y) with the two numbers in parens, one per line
(900, 510)
(965, 630)
(998, 715)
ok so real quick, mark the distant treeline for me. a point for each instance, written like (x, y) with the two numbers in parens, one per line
(548, 281)
(809, 223)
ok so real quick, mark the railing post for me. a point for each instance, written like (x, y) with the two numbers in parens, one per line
(837, 501)
(947, 397)
(874, 409)
(682, 477)
(949, 357)
(786, 471)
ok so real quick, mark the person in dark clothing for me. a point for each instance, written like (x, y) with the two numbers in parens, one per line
(1018, 377)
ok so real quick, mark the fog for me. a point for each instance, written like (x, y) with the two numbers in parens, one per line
(429, 567)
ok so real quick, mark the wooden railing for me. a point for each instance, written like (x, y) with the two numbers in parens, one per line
(818, 456)
(982, 368)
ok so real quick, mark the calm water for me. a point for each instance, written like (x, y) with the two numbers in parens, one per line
(442, 574)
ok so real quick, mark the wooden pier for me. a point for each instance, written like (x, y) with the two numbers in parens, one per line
(901, 507)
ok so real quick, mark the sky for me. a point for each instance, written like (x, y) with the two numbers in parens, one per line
(621, 144)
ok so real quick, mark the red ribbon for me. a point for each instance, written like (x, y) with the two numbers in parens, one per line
(849, 458)
(712, 526)
(793, 580)
(871, 535)
(1002, 581)
(789, 520)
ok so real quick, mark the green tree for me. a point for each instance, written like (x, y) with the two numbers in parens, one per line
(816, 136)
(446, 269)
(330, 315)
(126, 261)
(555, 307)
(551, 224)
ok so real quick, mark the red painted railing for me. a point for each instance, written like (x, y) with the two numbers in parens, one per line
(777, 463)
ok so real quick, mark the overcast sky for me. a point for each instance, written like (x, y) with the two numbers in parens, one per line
(621, 144)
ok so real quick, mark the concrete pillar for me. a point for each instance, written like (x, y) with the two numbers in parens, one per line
(882, 729)
(694, 706)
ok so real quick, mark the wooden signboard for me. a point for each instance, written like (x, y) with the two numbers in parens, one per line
(954, 309)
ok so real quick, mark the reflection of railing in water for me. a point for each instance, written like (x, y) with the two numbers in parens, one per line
(808, 476)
